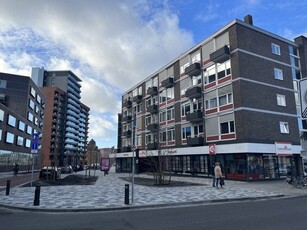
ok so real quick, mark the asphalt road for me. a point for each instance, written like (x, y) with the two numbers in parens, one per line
(277, 214)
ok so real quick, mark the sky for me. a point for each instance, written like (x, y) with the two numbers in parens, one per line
(114, 44)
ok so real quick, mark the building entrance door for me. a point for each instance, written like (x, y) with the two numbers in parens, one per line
(270, 167)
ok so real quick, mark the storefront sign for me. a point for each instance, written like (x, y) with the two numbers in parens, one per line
(212, 149)
(283, 148)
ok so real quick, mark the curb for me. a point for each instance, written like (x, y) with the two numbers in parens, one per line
(129, 207)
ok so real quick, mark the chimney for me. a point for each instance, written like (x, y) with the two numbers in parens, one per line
(248, 19)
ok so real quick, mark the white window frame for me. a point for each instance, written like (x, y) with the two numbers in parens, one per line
(284, 127)
(228, 99)
(209, 103)
(281, 100)
(278, 74)
(275, 49)
(184, 108)
(183, 132)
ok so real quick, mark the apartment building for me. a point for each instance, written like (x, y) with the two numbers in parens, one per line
(66, 132)
(233, 99)
(22, 106)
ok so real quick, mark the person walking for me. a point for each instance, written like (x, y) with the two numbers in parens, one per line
(16, 168)
(218, 174)
(213, 175)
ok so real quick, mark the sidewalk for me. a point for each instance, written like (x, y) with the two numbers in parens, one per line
(109, 193)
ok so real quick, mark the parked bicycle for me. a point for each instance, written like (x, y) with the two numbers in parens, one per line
(297, 182)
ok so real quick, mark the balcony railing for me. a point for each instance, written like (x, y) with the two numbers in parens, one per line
(126, 149)
(220, 55)
(152, 109)
(195, 116)
(127, 118)
(168, 82)
(137, 98)
(154, 127)
(194, 92)
(127, 104)
(152, 146)
(193, 69)
(152, 90)
(194, 141)
(127, 133)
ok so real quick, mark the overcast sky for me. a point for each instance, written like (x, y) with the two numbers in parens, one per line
(114, 44)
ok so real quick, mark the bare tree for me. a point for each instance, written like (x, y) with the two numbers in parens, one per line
(91, 155)
(157, 162)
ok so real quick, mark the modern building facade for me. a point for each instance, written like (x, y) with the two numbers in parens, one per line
(233, 99)
(22, 106)
(67, 122)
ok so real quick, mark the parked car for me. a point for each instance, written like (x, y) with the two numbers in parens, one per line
(50, 172)
(66, 169)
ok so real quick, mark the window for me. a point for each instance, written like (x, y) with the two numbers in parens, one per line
(225, 99)
(198, 129)
(170, 93)
(227, 127)
(148, 120)
(139, 140)
(32, 92)
(21, 126)
(196, 80)
(9, 138)
(163, 116)
(278, 74)
(1, 115)
(185, 108)
(275, 49)
(281, 100)
(171, 134)
(19, 141)
(211, 103)
(31, 104)
(186, 132)
(3, 84)
(162, 96)
(170, 113)
(0, 134)
(28, 143)
(163, 135)
(30, 116)
(29, 130)
(284, 127)
(11, 121)
(209, 75)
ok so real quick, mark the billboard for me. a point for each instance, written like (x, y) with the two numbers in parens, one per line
(105, 164)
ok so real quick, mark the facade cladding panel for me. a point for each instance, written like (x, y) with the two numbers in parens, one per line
(19, 98)
(247, 99)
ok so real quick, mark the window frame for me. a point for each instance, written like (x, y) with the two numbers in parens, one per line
(275, 49)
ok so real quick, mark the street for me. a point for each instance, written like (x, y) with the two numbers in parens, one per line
(275, 214)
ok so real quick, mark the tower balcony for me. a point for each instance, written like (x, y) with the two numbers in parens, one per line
(194, 92)
(221, 55)
(152, 109)
(195, 141)
(195, 116)
(168, 82)
(152, 90)
(193, 69)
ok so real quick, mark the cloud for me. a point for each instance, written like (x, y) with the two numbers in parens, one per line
(110, 45)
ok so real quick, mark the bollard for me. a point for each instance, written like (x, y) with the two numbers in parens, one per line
(37, 195)
(8, 185)
(126, 193)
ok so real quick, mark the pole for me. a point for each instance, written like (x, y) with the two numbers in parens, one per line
(132, 187)
(32, 169)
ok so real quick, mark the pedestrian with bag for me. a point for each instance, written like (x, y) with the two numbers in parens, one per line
(218, 175)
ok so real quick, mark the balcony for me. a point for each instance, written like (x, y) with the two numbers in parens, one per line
(152, 91)
(152, 109)
(168, 82)
(127, 118)
(195, 141)
(127, 133)
(194, 92)
(127, 104)
(154, 127)
(126, 149)
(152, 146)
(195, 116)
(221, 55)
(193, 69)
(137, 98)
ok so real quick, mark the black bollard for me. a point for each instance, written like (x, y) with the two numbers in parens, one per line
(37, 195)
(126, 193)
(8, 185)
